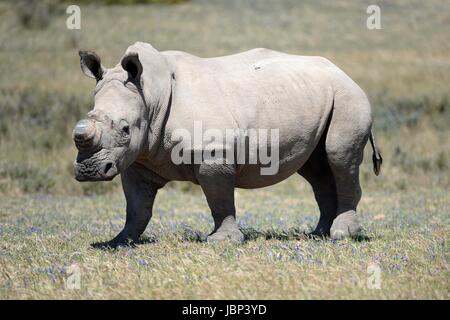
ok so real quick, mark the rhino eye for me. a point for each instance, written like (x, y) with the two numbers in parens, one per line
(124, 127)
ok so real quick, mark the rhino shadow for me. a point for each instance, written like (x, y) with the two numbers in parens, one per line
(250, 234)
(110, 246)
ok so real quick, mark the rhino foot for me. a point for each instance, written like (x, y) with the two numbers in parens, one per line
(319, 232)
(119, 241)
(345, 225)
(234, 235)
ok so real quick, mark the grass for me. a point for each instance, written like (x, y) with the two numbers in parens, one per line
(404, 68)
(48, 220)
(41, 236)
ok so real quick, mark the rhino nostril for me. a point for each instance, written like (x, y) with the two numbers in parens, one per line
(107, 167)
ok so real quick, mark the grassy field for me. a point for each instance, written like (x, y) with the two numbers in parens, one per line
(48, 220)
(407, 237)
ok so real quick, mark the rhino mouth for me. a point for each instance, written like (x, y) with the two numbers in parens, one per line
(95, 167)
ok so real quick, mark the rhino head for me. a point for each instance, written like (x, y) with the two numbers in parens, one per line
(116, 131)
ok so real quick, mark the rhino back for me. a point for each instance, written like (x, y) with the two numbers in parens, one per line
(257, 89)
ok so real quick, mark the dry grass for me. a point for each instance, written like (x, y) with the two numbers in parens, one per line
(41, 236)
(405, 61)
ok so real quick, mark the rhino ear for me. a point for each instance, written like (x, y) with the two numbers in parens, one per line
(132, 64)
(91, 65)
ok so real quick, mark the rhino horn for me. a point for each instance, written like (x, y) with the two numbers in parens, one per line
(86, 135)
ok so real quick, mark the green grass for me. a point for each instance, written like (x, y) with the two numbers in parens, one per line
(48, 220)
(40, 236)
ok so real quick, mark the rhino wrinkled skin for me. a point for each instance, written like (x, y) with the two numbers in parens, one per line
(323, 117)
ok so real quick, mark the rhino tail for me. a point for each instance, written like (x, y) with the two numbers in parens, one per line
(376, 157)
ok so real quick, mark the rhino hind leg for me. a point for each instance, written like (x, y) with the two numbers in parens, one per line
(346, 138)
(217, 183)
(346, 223)
(318, 173)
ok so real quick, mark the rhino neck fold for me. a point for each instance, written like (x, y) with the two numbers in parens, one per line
(158, 115)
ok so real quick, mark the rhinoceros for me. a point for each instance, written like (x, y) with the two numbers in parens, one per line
(321, 116)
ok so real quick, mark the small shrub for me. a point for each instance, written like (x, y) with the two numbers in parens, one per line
(30, 178)
(392, 114)
(183, 186)
(99, 188)
(442, 162)
(35, 14)
(49, 117)
(400, 184)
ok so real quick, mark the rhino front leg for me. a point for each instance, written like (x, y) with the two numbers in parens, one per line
(140, 194)
(217, 182)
